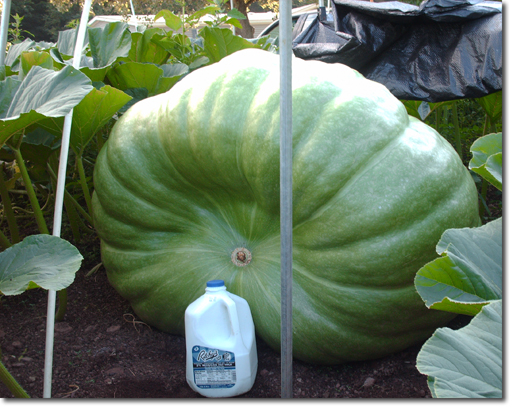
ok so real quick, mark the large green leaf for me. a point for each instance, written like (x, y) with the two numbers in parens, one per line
(66, 42)
(8, 88)
(466, 363)
(487, 158)
(145, 50)
(492, 105)
(43, 93)
(172, 20)
(220, 42)
(421, 110)
(16, 50)
(38, 146)
(38, 261)
(34, 58)
(469, 273)
(90, 115)
(12, 59)
(109, 43)
(137, 75)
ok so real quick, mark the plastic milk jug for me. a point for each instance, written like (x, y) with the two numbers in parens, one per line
(220, 340)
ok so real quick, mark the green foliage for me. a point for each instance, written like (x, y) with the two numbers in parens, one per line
(469, 273)
(39, 261)
(121, 65)
(466, 363)
(467, 279)
(16, 33)
(42, 261)
(487, 158)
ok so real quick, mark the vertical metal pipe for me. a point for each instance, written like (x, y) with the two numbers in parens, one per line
(133, 14)
(59, 199)
(231, 8)
(285, 48)
(6, 11)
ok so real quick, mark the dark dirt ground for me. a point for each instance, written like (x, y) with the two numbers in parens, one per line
(102, 350)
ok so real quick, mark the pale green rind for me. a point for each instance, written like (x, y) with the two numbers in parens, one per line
(44, 260)
(466, 363)
(188, 176)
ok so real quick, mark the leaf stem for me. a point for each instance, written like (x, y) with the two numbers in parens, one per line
(9, 213)
(69, 197)
(4, 242)
(456, 124)
(83, 184)
(63, 304)
(38, 213)
(11, 383)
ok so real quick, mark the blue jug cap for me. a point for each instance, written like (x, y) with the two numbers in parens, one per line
(215, 283)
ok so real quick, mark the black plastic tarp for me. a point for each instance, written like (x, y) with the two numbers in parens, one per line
(441, 50)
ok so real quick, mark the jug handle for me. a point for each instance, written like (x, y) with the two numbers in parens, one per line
(232, 312)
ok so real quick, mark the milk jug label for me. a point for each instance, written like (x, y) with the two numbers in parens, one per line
(213, 368)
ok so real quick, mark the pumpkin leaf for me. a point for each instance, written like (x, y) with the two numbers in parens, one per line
(43, 93)
(39, 145)
(109, 43)
(34, 58)
(234, 13)
(469, 273)
(492, 105)
(90, 115)
(220, 42)
(487, 158)
(38, 261)
(66, 42)
(172, 20)
(137, 75)
(13, 55)
(144, 49)
(466, 363)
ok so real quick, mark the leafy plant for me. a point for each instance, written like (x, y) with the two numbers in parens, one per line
(467, 279)
(17, 34)
(57, 93)
(39, 261)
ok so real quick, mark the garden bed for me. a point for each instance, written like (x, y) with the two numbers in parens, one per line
(102, 350)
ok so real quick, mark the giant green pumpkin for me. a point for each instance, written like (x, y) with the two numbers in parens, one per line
(187, 190)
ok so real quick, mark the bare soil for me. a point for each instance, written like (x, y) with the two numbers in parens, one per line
(102, 350)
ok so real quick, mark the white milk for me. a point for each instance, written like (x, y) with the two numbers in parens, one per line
(220, 340)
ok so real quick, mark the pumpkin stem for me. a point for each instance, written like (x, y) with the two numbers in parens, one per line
(241, 257)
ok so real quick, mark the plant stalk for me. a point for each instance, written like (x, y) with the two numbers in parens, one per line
(4, 242)
(456, 124)
(38, 213)
(70, 198)
(11, 383)
(63, 304)
(83, 184)
(9, 213)
(484, 192)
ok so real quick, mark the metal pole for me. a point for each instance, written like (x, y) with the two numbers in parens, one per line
(6, 11)
(133, 14)
(231, 7)
(59, 199)
(285, 45)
